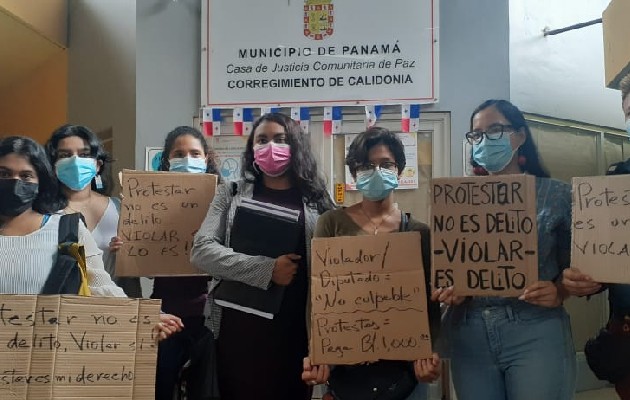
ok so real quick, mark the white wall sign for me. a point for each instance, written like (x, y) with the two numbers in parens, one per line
(409, 177)
(152, 157)
(229, 150)
(319, 52)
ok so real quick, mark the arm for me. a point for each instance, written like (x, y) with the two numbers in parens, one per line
(99, 281)
(433, 306)
(552, 293)
(210, 254)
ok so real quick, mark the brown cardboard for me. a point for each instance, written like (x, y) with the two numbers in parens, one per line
(493, 219)
(368, 299)
(616, 31)
(62, 347)
(159, 215)
(601, 227)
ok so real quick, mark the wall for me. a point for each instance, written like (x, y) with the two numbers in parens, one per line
(473, 65)
(102, 72)
(48, 17)
(168, 69)
(37, 103)
(563, 75)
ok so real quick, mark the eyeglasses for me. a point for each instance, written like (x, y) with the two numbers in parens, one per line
(390, 165)
(495, 132)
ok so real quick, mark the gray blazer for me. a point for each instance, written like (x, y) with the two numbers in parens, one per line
(211, 254)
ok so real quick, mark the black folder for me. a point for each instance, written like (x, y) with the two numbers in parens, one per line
(259, 229)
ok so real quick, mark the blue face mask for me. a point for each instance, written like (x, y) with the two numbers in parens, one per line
(628, 126)
(188, 164)
(376, 184)
(493, 155)
(76, 172)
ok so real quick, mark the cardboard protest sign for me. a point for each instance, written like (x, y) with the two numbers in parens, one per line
(368, 299)
(601, 227)
(484, 234)
(159, 216)
(62, 347)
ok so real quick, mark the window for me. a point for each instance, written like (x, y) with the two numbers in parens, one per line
(570, 148)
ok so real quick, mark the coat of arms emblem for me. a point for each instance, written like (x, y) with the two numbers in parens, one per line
(318, 19)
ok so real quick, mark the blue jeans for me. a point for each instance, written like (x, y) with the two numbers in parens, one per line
(516, 351)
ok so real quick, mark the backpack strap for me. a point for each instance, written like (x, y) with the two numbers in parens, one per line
(69, 228)
(64, 275)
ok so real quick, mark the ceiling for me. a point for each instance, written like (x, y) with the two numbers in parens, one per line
(22, 49)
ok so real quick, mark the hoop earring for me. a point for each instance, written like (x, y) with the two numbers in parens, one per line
(255, 166)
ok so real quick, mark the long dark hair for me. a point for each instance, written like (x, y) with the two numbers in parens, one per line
(528, 151)
(303, 168)
(48, 200)
(169, 142)
(96, 151)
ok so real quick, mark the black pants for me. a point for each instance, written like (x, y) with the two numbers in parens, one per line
(173, 354)
(260, 359)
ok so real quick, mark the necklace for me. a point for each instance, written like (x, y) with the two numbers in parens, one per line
(383, 219)
(80, 209)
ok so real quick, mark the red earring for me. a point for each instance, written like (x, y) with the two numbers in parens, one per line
(480, 171)
(522, 160)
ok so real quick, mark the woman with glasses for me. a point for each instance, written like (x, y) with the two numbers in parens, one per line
(376, 159)
(515, 348)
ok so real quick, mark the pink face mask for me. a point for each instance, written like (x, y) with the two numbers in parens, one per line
(272, 158)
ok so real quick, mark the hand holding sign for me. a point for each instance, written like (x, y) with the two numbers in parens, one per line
(543, 293)
(578, 284)
(169, 324)
(314, 374)
(428, 369)
(446, 296)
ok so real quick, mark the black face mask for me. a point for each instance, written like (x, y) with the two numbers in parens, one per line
(16, 196)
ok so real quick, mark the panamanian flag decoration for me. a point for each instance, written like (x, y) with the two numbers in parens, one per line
(410, 117)
(332, 120)
(268, 110)
(211, 121)
(302, 116)
(372, 114)
(243, 119)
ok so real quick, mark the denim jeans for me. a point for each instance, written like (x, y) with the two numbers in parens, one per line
(515, 351)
